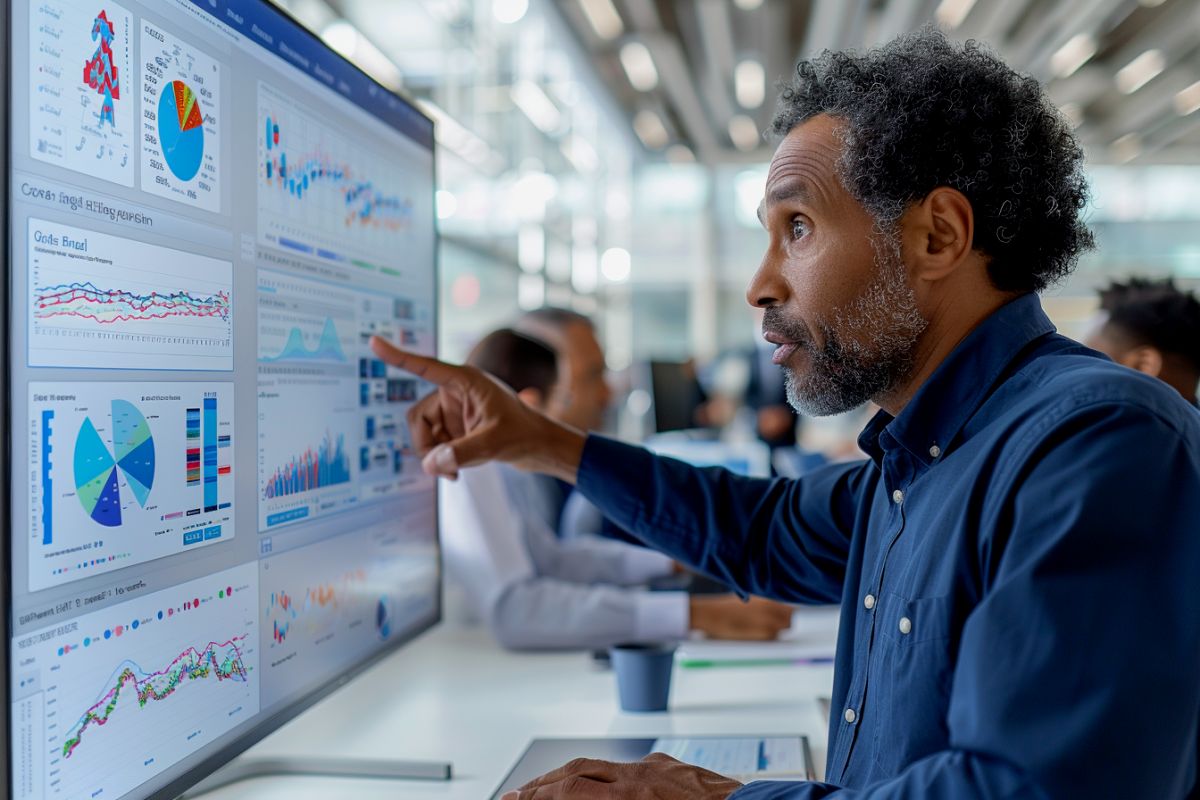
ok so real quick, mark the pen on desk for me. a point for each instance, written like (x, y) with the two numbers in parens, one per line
(694, 663)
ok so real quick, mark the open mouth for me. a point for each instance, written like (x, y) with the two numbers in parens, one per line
(784, 348)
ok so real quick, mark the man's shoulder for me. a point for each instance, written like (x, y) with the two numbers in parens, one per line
(1063, 383)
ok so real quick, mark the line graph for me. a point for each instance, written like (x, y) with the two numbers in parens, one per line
(191, 664)
(88, 301)
(133, 688)
(97, 300)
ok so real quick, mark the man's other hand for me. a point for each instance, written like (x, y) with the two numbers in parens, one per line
(655, 777)
(472, 418)
(729, 617)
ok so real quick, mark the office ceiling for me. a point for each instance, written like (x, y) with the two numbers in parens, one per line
(1127, 72)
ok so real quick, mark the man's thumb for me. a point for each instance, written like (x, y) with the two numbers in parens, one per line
(447, 459)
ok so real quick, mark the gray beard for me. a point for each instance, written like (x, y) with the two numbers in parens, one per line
(883, 324)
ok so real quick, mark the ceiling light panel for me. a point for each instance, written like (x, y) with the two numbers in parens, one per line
(639, 66)
(603, 17)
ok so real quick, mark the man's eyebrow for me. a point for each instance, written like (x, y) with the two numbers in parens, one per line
(792, 190)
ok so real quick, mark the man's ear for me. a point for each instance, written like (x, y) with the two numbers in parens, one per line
(532, 397)
(937, 234)
(1145, 359)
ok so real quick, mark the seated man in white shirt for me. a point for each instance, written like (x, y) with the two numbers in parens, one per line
(537, 591)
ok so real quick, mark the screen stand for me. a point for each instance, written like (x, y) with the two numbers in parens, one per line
(244, 769)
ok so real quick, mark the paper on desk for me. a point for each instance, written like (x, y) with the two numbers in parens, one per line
(742, 758)
(813, 636)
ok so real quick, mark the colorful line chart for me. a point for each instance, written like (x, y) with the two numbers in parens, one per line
(323, 197)
(81, 109)
(220, 662)
(131, 689)
(112, 484)
(100, 301)
(181, 120)
(106, 306)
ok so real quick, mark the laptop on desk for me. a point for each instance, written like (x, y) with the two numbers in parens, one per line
(743, 758)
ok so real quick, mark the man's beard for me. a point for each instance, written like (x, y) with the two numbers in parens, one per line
(869, 348)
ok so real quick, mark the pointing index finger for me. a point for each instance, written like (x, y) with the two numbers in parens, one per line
(430, 369)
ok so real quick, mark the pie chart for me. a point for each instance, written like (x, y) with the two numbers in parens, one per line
(181, 130)
(98, 468)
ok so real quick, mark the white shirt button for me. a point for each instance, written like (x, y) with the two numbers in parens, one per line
(905, 625)
(850, 716)
(869, 602)
(898, 496)
(935, 451)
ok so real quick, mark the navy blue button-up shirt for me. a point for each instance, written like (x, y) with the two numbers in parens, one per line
(1018, 567)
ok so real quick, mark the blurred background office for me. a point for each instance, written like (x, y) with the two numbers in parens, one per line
(606, 156)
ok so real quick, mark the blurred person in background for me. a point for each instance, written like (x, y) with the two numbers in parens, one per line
(1154, 327)
(536, 591)
(775, 420)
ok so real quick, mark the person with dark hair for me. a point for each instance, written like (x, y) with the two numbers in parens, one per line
(1016, 559)
(535, 591)
(1154, 327)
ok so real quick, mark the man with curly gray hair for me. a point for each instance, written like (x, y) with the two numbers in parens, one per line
(1016, 560)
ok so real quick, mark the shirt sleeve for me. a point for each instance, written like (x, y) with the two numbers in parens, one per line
(776, 538)
(590, 559)
(487, 552)
(546, 614)
(1076, 674)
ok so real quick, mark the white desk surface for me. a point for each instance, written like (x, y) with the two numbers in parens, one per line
(453, 695)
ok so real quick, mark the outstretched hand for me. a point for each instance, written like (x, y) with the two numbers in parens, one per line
(472, 418)
(655, 777)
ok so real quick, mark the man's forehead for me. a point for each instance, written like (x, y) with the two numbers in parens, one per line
(804, 165)
(809, 152)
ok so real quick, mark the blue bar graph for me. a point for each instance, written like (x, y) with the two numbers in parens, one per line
(210, 454)
(47, 482)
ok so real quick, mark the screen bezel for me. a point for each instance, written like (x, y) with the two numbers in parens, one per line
(275, 720)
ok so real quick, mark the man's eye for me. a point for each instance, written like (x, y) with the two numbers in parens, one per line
(800, 229)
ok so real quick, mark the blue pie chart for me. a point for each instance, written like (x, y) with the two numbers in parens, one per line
(181, 130)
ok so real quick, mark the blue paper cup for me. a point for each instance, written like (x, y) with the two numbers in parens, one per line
(643, 675)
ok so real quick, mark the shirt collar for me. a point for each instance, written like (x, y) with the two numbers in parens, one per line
(959, 385)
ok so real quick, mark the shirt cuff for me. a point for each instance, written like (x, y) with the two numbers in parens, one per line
(660, 616)
(641, 565)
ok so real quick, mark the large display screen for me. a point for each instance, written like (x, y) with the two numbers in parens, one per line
(214, 510)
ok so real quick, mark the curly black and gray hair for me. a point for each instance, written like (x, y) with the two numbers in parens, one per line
(922, 112)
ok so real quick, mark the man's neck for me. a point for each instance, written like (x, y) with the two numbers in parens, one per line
(948, 326)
